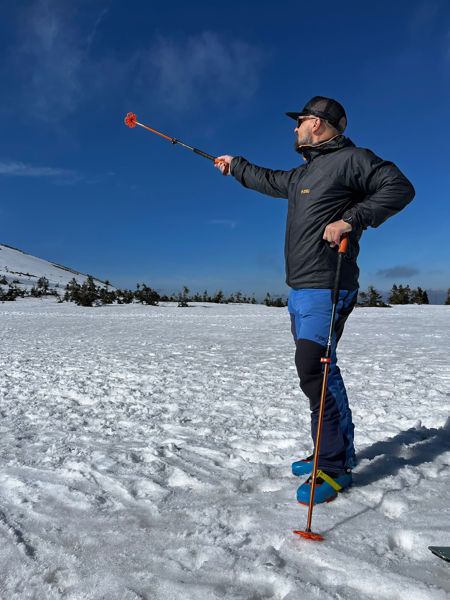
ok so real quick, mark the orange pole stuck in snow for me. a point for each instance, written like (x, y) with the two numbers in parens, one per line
(326, 361)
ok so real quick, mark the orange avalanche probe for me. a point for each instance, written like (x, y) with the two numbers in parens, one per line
(131, 121)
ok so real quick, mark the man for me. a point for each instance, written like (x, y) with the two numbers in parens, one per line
(341, 189)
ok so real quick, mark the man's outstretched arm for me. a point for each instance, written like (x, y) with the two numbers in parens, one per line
(266, 181)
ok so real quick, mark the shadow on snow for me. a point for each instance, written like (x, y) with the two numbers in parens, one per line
(389, 456)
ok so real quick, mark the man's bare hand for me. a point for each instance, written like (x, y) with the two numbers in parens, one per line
(334, 231)
(223, 163)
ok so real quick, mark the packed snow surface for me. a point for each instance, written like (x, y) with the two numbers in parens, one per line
(145, 455)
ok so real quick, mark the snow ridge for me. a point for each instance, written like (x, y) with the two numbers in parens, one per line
(25, 269)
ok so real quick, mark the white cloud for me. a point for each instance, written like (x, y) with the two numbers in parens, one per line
(203, 69)
(58, 176)
(93, 33)
(51, 54)
(52, 58)
(20, 169)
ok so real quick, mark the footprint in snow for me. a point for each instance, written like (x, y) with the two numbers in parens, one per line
(393, 507)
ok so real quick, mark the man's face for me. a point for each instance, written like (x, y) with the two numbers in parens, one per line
(303, 131)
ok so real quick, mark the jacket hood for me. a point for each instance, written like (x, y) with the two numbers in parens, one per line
(311, 151)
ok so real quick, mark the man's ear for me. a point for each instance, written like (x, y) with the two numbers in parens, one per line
(317, 125)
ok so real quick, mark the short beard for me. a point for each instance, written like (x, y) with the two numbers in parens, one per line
(300, 144)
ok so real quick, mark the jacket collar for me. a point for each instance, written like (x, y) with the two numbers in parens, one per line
(335, 143)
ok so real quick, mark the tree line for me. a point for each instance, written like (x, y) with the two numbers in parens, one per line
(14, 290)
(90, 294)
(399, 294)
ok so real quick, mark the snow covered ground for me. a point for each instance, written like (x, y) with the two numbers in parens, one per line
(25, 269)
(145, 454)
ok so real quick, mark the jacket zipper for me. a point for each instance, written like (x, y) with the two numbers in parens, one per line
(288, 270)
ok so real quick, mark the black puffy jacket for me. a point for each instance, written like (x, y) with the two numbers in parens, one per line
(338, 179)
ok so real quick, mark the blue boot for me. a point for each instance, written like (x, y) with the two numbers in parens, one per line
(326, 489)
(303, 467)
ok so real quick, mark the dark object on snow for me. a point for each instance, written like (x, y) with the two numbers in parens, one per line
(441, 551)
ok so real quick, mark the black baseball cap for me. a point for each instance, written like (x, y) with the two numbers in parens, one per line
(324, 108)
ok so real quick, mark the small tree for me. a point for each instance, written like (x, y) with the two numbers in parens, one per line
(83, 295)
(124, 296)
(42, 285)
(146, 295)
(278, 302)
(371, 298)
(219, 297)
(106, 296)
(400, 295)
(419, 296)
(72, 289)
(447, 302)
(183, 298)
(87, 293)
(11, 293)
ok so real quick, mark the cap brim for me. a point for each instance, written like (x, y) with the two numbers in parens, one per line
(306, 113)
(296, 115)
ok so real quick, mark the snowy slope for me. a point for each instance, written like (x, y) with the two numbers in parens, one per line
(19, 266)
(145, 455)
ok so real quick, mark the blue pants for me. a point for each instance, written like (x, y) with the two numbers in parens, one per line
(310, 311)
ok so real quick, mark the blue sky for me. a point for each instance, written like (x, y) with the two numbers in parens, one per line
(81, 189)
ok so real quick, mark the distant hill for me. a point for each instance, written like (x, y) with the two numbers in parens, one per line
(25, 270)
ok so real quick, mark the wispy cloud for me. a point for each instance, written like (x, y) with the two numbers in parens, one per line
(204, 69)
(20, 169)
(93, 33)
(400, 271)
(52, 58)
(224, 222)
(55, 68)
(56, 175)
